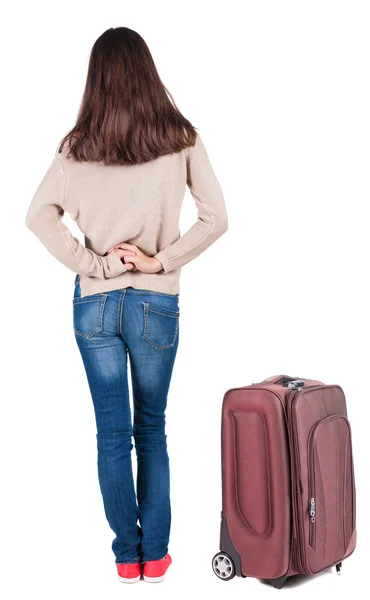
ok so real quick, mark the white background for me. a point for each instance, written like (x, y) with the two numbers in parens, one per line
(280, 93)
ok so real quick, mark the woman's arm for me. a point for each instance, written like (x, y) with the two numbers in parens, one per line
(212, 219)
(44, 219)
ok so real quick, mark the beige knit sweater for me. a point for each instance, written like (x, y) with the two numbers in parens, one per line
(138, 204)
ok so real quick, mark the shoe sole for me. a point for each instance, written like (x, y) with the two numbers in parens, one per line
(129, 579)
(153, 579)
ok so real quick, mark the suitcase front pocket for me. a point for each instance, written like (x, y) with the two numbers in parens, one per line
(330, 487)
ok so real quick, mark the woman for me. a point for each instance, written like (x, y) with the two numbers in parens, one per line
(121, 173)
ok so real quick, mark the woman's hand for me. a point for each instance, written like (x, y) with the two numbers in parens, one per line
(122, 254)
(134, 257)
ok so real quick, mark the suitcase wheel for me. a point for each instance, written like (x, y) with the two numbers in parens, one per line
(339, 568)
(223, 566)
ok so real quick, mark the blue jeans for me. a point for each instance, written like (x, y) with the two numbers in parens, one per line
(144, 326)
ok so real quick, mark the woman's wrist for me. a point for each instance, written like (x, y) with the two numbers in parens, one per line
(158, 264)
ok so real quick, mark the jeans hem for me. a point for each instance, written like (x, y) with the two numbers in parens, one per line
(127, 562)
(153, 557)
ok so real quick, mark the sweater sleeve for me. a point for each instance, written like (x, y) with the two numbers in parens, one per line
(44, 219)
(212, 219)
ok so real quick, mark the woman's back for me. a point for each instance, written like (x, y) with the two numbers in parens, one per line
(138, 203)
(111, 203)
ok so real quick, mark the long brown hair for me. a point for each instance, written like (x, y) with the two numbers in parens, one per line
(127, 115)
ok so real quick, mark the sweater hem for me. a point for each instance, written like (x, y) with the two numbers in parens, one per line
(89, 286)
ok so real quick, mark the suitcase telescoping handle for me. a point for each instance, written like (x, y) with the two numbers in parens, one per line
(285, 380)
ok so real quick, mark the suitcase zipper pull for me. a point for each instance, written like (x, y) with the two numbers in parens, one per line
(313, 510)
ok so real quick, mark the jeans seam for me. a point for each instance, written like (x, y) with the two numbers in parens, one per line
(120, 310)
(145, 318)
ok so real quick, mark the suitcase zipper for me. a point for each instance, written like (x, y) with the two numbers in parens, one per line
(295, 483)
(297, 509)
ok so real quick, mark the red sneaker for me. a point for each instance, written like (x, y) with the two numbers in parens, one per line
(129, 573)
(154, 570)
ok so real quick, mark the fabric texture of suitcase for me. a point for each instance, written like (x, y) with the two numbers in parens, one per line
(288, 486)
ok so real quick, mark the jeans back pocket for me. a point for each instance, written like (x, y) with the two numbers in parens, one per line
(88, 315)
(161, 326)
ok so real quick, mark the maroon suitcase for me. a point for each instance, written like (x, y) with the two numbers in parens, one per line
(288, 488)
